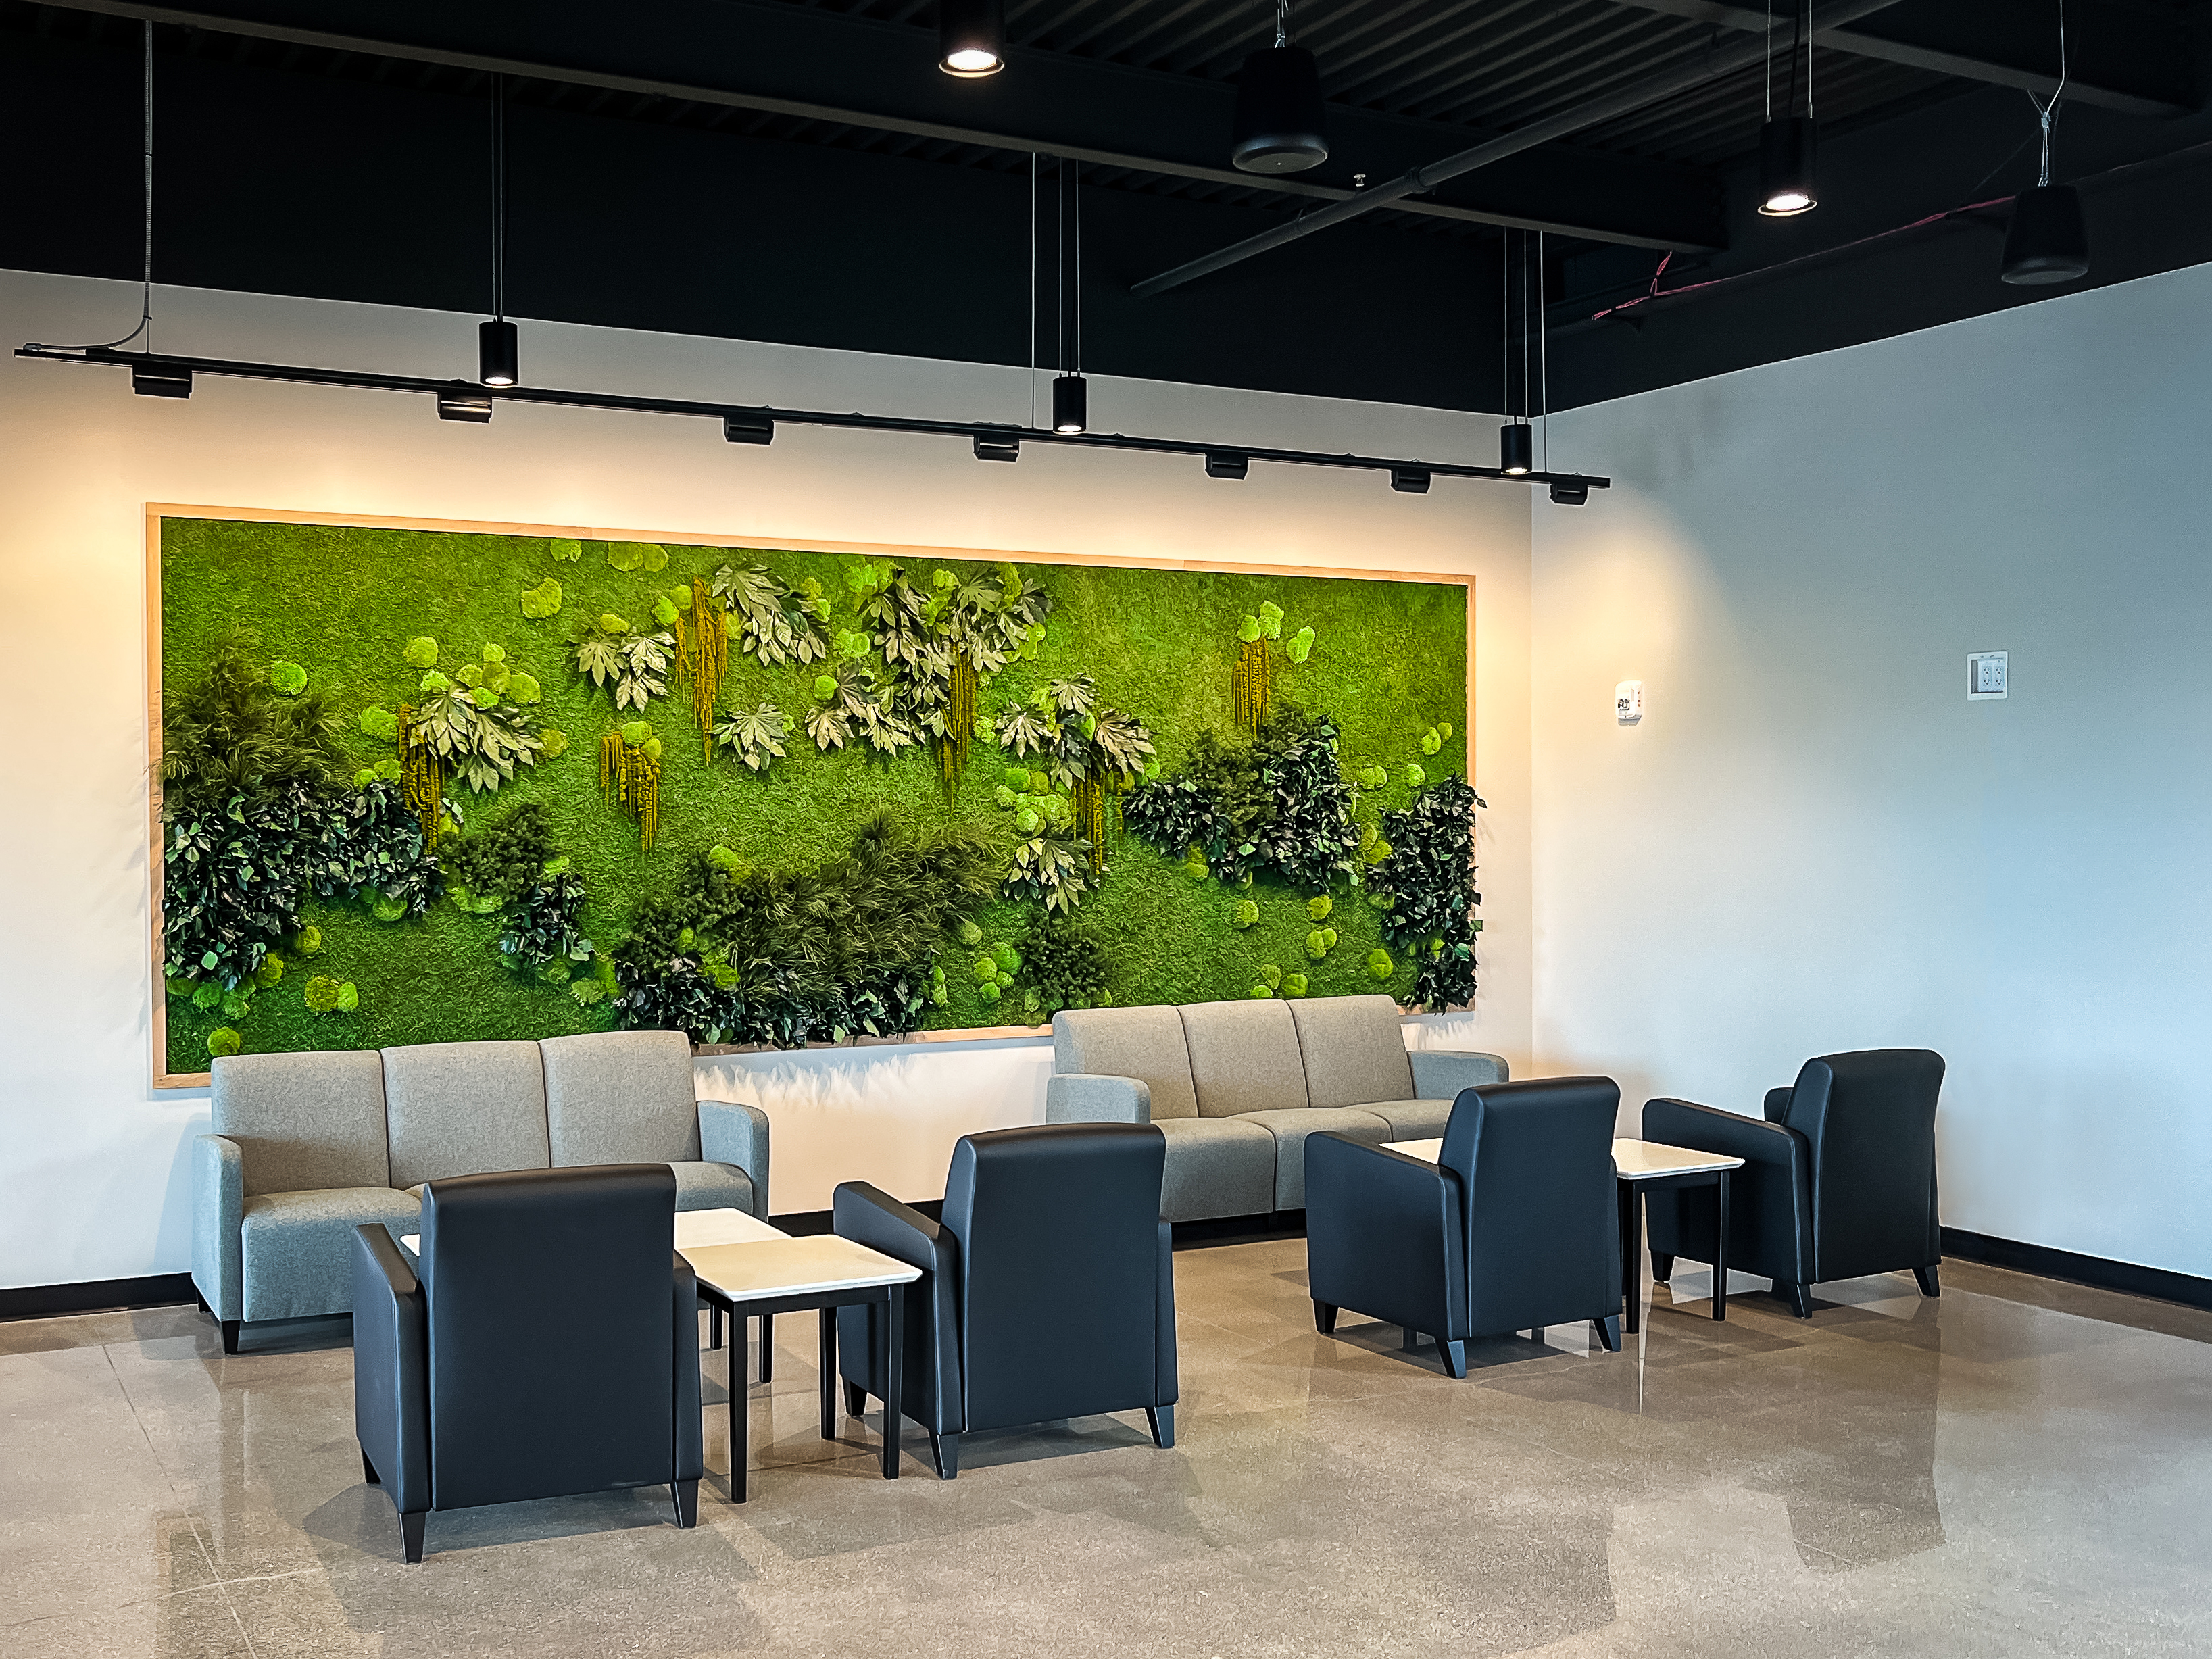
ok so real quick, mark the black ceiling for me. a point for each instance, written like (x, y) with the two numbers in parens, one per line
(799, 171)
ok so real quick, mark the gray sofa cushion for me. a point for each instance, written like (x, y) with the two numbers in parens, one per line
(1216, 1166)
(709, 1186)
(1289, 1130)
(1146, 1043)
(303, 1120)
(1411, 1119)
(459, 1108)
(620, 1097)
(297, 1248)
(1243, 1057)
(1354, 1050)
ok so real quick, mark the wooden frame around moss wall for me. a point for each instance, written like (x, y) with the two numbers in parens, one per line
(157, 511)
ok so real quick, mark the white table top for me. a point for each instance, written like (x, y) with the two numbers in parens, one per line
(794, 1267)
(694, 1229)
(1635, 1160)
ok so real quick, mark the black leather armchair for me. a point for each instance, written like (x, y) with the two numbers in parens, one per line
(1515, 1226)
(1048, 1290)
(1838, 1177)
(549, 1345)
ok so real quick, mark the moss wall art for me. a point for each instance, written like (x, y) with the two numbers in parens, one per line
(432, 785)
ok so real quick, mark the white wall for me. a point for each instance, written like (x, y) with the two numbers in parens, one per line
(1813, 842)
(93, 1171)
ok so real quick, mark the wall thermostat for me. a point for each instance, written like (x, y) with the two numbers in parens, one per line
(1628, 702)
(1985, 676)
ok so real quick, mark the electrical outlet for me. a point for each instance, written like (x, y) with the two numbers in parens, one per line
(1985, 676)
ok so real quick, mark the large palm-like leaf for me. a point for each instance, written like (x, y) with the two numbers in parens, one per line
(755, 736)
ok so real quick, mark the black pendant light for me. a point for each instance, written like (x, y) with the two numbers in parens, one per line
(971, 38)
(1516, 439)
(1071, 396)
(2046, 241)
(499, 348)
(1788, 143)
(1277, 128)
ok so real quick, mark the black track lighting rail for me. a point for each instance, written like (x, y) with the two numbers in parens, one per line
(167, 375)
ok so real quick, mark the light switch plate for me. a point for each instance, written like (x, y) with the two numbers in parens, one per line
(1985, 676)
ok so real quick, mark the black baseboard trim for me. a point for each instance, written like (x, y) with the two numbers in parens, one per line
(1240, 1229)
(95, 1296)
(2094, 1270)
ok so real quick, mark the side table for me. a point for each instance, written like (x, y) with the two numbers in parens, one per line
(1643, 1164)
(788, 1275)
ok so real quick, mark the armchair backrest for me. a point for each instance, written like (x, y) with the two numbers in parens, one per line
(1059, 1235)
(303, 1122)
(1146, 1043)
(620, 1097)
(552, 1343)
(1869, 1121)
(1542, 1225)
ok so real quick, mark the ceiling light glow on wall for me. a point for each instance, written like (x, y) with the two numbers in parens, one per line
(971, 38)
(1277, 126)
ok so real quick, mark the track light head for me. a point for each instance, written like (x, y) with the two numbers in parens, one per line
(1279, 127)
(1787, 148)
(1223, 464)
(161, 380)
(1569, 492)
(1071, 404)
(463, 405)
(2046, 241)
(1410, 480)
(499, 353)
(1516, 449)
(989, 447)
(749, 428)
(971, 38)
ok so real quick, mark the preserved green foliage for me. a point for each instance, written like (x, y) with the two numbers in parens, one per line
(1065, 966)
(753, 736)
(615, 658)
(501, 861)
(1276, 805)
(476, 738)
(1428, 878)
(225, 732)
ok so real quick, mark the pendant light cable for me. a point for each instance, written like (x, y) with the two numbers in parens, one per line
(2047, 111)
(1033, 284)
(1282, 23)
(146, 291)
(1543, 356)
(498, 198)
(1769, 63)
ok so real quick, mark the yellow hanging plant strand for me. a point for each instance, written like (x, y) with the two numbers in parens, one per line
(712, 649)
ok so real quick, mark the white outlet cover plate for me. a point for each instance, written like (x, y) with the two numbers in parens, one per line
(1628, 702)
(1986, 677)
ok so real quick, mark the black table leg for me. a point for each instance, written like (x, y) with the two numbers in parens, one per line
(767, 1347)
(1632, 1252)
(829, 1362)
(1720, 1254)
(894, 1365)
(740, 1404)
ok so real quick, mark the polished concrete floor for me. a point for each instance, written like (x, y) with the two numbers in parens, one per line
(2020, 1468)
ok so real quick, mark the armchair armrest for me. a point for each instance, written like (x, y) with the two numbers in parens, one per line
(1078, 1097)
(931, 1347)
(1711, 1129)
(1778, 1104)
(690, 1461)
(1385, 1234)
(731, 1132)
(1770, 1197)
(392, 1369)
(218, 1212)
(1166, 1376)
(1441, 1073)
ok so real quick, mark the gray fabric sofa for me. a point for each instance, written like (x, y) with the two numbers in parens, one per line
(308, 1147)
(1237, 1087)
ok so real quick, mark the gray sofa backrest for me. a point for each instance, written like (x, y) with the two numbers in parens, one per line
(1354, 1050)
(1244, 1056)
(457, 1109)
(620, 1097)
(305, 1122)
(1146, 1043)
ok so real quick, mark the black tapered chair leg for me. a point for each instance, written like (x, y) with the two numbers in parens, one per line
(199, 1301)
(856, 1400)
(686, 1494)
(230, 1336)
(368, 1471)
(1161, 1420)
(1607, 1331)
(1409, 1340)
(411, 1535)
(1929, 1285)
(1455, 1357)
(1799, 1297)
(944, 1453)
(1325, 1318)
(1662, 1267)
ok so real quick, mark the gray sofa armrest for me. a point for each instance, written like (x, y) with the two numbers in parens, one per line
(1078, 1097)
(1441, 1073)
(731, 1132)
(218, 1213)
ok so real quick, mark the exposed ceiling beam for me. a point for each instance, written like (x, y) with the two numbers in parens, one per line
(1652, 89)
(262, 22)
(1893, 45)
